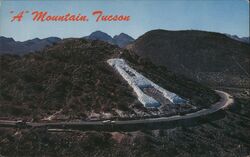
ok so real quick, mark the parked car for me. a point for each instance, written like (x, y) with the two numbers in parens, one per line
(21, 123)
(108, 122)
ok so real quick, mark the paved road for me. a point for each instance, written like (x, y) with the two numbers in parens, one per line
(224, 102)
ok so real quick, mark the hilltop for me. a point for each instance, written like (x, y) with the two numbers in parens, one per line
(206, 57)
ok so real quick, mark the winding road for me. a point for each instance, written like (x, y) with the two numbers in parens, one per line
(223, 103)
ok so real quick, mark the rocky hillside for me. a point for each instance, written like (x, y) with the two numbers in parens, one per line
(206, 57)
(73, 77)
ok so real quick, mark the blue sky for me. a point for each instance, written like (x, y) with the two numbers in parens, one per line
(225, 16)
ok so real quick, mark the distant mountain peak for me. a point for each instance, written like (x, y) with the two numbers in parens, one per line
(121, 40)
(122, 34)
(99, 35)
(10, 46)
(235, 37)
(5, 39)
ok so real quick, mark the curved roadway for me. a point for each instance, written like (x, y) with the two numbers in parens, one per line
(224, 102)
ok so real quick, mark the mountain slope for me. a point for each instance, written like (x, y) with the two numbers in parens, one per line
(206, 57)
(73, 76)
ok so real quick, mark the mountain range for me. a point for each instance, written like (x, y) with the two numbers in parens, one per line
(121, 40)
(10, 46)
